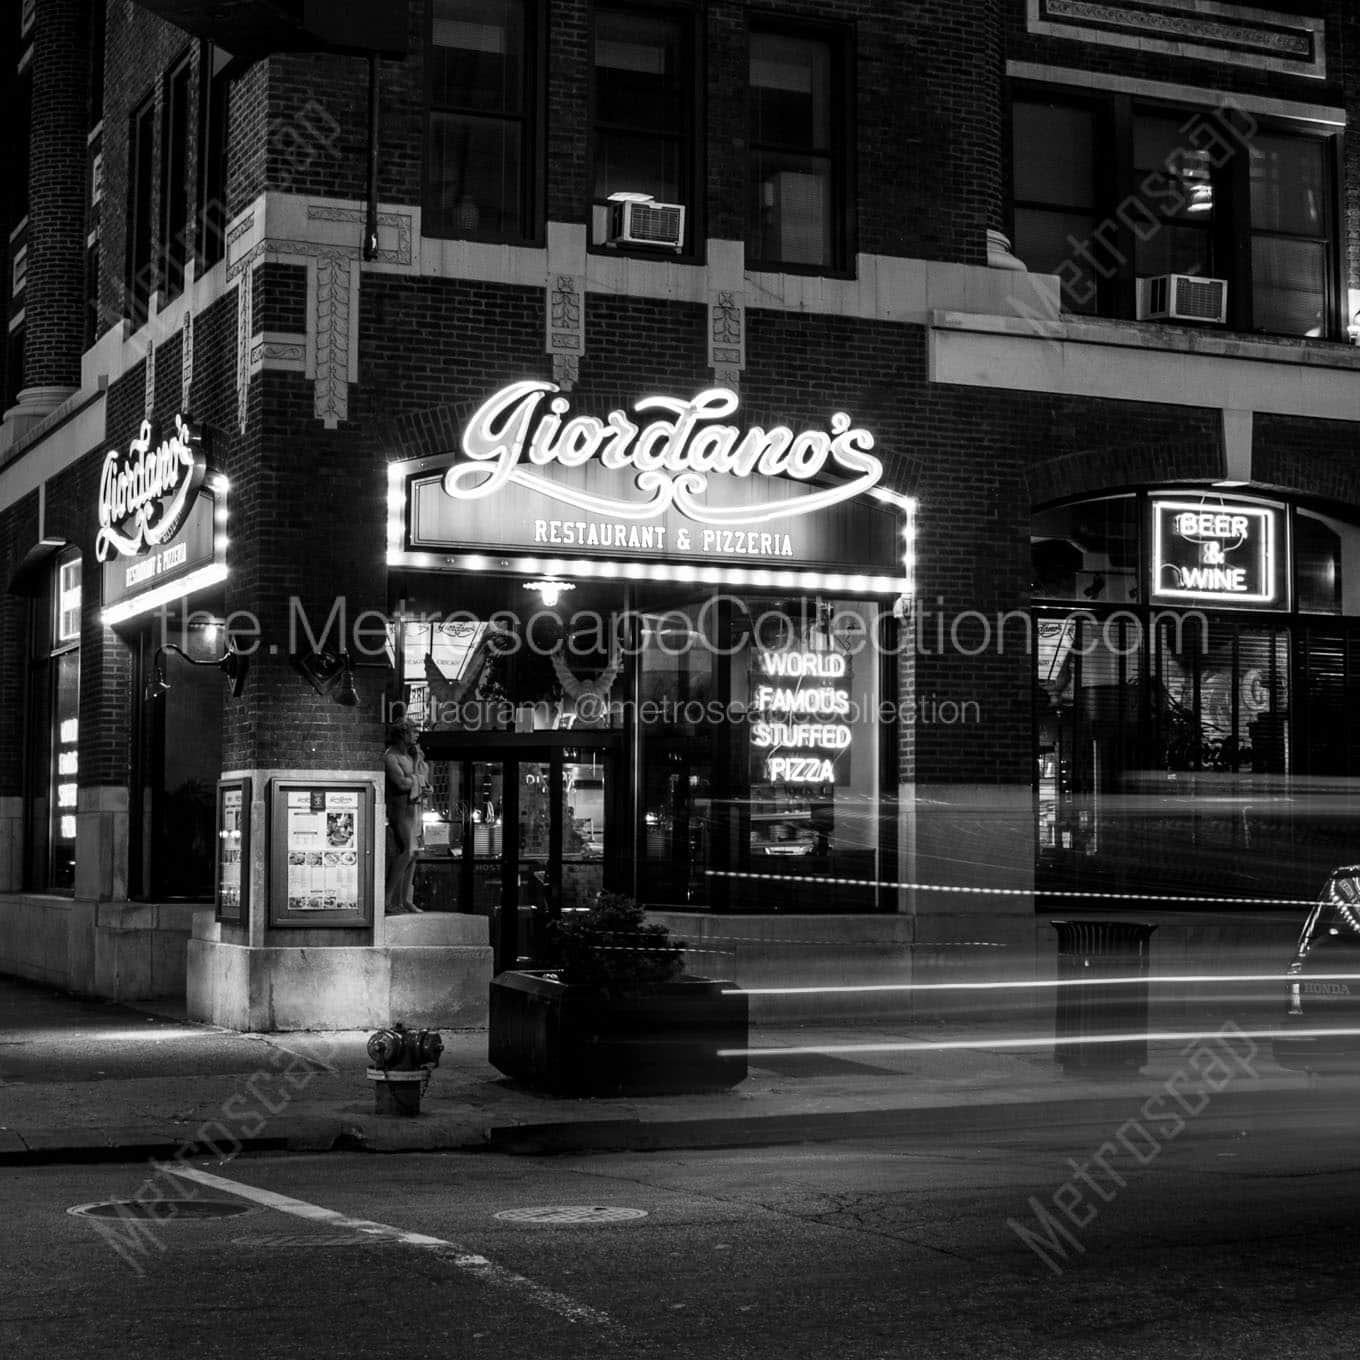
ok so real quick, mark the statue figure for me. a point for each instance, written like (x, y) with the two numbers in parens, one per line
(408, 778)
(589, 697)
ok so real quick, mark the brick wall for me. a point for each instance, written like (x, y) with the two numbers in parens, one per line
(55, 291)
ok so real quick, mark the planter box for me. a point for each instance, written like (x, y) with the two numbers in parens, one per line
(571, 1041)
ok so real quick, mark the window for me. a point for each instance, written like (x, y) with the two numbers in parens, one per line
(175, 180)
(141, 265)
(480, 140)
(214, 110)
(1108, 192)
(644, 106)
(54, 730)
(795, 214)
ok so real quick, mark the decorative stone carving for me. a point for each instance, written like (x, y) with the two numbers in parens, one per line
(727, 336)
(1207, 30)
(186, 378)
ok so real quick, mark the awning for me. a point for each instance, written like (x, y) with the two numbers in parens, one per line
(28, 575)
(256, 28)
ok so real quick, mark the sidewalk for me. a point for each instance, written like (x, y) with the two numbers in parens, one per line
(93, 1081)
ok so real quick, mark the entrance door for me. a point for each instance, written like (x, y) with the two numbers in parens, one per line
(518, 836)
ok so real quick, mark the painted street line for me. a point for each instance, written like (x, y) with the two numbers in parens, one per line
(476, 1265)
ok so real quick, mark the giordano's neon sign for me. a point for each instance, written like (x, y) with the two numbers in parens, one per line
(146, 494)
(672, 456)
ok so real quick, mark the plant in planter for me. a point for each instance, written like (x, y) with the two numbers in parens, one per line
(618, 1016)
(613, 947)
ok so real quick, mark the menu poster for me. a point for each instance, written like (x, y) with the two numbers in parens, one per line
(323, 851)
(233, 850)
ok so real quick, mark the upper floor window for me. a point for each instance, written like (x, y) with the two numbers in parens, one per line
(480, 139)
(796, 209)
(141, 263)
(1108, 192)
(215, 83)
(175, 194)
(644, 105)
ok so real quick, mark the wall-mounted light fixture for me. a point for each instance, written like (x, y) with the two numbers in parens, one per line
(233, 664)
(330, 674)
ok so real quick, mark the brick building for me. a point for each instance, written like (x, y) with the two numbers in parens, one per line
(792, 462)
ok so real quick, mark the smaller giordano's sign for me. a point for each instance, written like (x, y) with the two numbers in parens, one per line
(800, 717)
(1219, 552)
(671, 479)
(147, 491)
(156, 516)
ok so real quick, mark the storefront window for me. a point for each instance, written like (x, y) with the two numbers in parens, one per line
(54, 732)
(502, 657)
(1177, 749)
(724, 739)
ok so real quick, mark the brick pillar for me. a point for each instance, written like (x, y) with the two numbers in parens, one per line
(55, 290)
(958, 86)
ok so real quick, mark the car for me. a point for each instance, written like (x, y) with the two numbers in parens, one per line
(1321, 1027)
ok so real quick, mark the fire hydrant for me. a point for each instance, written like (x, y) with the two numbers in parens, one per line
(402, 1061)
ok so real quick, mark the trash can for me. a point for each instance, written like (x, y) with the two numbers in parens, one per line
(1102, 1003)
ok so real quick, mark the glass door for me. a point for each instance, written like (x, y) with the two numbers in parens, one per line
(517, 836)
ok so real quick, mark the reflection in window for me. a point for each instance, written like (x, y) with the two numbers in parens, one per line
(479, 144)
(1087, 552)
(1317, 563)
(644, 96)
(793, 215)
(1054, 168)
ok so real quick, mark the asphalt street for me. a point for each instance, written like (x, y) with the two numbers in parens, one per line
(1226, 1237)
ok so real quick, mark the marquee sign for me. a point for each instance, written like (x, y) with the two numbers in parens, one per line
(146, 494)
(1225, 553)
(672, 457)
(669, 480)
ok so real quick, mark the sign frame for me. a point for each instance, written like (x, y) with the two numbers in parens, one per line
(319, 793)
(1272, 583)
(240, 916)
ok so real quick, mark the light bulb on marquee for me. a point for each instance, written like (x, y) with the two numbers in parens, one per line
(549, 591)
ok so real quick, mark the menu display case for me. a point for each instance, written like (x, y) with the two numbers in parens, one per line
(321, 862)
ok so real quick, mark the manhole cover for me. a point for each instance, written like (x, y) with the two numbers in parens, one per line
(161, 1210)
(572, 1213)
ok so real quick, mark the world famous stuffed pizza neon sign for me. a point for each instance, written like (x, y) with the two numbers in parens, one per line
(672, 456)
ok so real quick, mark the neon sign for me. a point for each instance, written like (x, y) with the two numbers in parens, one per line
(1223, 553)
(800, 706)
(672, 456)
(146, 494)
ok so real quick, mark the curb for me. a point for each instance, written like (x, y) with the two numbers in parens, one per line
(1104, 1113)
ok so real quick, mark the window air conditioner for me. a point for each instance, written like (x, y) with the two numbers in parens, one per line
(638, 221)
(1183, 297)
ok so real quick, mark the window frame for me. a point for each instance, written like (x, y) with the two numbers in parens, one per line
(690, 140)
(530, 119)
(839, 39)
(1233, 231)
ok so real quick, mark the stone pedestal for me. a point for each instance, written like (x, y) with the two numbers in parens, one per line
(434, 972)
